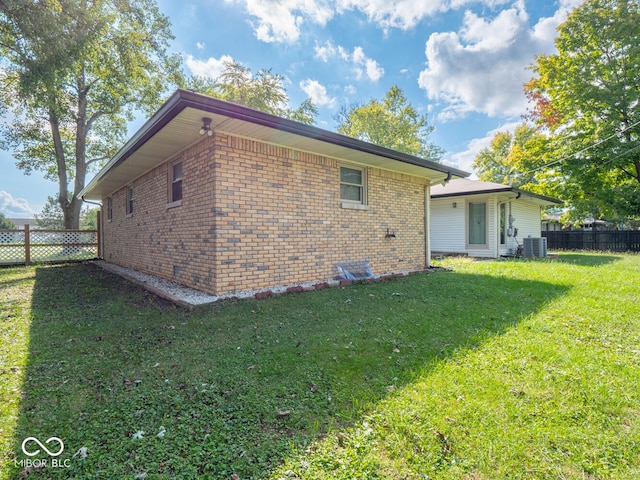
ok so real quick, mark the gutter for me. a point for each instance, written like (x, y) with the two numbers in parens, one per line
(164, 115)
(518, 193)
(182, 99)
(239, 112)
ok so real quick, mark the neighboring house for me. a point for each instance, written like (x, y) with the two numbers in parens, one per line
(483, 219)
(21, 222)
(593, 224)
(551, 222)
(226, 199)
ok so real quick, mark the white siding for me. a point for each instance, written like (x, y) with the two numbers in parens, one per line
(527, 219)
(448, 225)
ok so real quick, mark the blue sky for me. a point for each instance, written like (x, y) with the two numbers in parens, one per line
(461, 62)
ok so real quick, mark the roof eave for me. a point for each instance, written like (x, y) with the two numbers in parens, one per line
(182, 99)
(512, 190)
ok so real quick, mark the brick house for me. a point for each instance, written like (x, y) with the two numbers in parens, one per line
(226, 199)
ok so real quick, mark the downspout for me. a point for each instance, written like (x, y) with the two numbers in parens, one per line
(499, 221)
(99, 224)
(92, 203)
(427, 225)
(427, 219)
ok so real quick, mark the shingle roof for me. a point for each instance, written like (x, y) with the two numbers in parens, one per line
(463, 187)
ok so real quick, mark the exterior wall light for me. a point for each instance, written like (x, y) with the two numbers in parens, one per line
(206, 127)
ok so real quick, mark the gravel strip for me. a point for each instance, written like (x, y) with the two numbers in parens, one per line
(190, 298)
(164, 288)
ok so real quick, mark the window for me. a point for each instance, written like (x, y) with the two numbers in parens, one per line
(352, 185)
(503, 223)
(129, 209)
(477, 223)
(109, 209)
(175, 172)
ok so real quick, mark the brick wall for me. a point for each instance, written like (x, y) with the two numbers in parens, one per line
(255, 215)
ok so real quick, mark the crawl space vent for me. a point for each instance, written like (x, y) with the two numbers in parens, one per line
(354, 270)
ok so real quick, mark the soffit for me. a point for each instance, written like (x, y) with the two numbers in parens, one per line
(151, 147)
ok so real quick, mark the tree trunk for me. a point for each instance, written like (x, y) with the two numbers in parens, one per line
(69, 207)
(82, 131)
(71, 212)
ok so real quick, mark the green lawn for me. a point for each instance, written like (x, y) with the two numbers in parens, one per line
(501, 369)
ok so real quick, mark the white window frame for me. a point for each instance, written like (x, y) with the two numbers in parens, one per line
(129, 199)
(486, 224)
(502, 223)
(109, 209)
(175, 202)
(354, 204)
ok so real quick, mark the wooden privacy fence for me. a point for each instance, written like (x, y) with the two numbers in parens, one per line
(47, 246)
(607, 240)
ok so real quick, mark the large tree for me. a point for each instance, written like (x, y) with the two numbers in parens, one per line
(52, 218)
(262, 91)
(73, 73)
(511, 157)
(393, 123)
(588, 97)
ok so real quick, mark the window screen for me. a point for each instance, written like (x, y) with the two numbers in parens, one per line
(351, 185)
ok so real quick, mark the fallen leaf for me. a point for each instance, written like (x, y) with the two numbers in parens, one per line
(81, 453)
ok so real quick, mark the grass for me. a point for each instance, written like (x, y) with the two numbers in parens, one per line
(503, 369)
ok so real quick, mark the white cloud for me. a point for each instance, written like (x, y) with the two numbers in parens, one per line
(210, 68)
(350, 89)
(464, 160)
(483, 66)
(325, 52)
(200, 45)
(14, 207)
(374, 71)
(362, 65)
(281, 20)
(317, 93)
(404, 14)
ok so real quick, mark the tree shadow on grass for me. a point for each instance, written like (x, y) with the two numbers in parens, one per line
(147, 388)
(588, 260)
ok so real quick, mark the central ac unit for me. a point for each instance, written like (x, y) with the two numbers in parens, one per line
(535, 247)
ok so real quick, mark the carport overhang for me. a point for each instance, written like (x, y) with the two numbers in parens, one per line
(176, 126)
